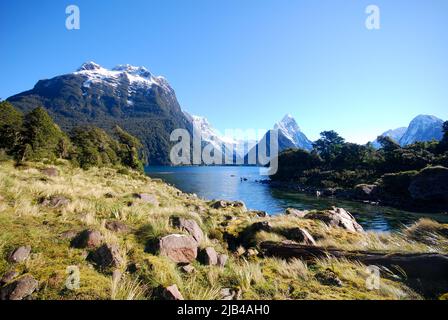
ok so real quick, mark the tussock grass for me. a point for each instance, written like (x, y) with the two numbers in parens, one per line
(24, 221)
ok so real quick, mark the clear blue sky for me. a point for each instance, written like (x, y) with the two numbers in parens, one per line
(246, 63)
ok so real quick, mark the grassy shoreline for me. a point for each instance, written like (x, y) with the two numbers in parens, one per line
(97, 196)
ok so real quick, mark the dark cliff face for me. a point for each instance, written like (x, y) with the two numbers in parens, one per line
(141, 104)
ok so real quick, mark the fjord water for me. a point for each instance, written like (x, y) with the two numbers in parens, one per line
(240, 183)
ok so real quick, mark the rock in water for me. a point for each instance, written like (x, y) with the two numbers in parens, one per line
(431, 184)
(179, 248)
(337, 217)
(19, 289)
(20, 254)
(189, 226)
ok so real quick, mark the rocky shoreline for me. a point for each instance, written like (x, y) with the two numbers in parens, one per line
(433, 199)
(68, 233)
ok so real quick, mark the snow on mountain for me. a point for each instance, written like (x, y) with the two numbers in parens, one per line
(423, 128)
(138, 77)
(394, 134)
(290, 135)
(227, 144)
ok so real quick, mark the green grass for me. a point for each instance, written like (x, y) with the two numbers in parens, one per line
(23, 221)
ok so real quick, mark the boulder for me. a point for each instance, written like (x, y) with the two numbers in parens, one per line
(260, 213)
(337, 217)
(20, 254)
(50, 172)
(300, 235)
(188, 268)
(70, 234)
(261, 226)
(189, 226)
(87, 239)
(179, 248)
(208, 256)
(230, 294)
(19, 289)
(55, 201)
(222, 260)
(171, 293)
(117, 226)
(366, 191)
(106, 256)
(430, 184)
(296, 212)
(109, 195)
(220, 204)
(8, 277)
(147, 198)
(328, 278)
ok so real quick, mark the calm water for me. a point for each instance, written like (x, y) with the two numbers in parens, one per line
(225, 183)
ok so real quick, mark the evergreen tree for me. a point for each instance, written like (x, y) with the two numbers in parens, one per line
(129, 149)
(329, 145)
(94, 147)
(11, 122)
(42, 138)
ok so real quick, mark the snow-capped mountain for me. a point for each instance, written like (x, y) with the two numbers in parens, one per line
(227, 144)
(423, 128)
(129, 96)
(394, 134)
(290, 135)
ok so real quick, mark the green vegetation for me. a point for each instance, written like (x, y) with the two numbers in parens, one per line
(99, 195)
(334, 163)
(35, 137)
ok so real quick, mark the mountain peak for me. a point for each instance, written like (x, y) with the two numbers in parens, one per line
(88, 66)
(134, 70)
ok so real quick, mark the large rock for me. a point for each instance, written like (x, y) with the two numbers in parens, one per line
(179, 248)
(431, 184)
(172, 293)
(366, 191)
(300, 235)
(222, 204)
(147, 198)
(222, 260)
(55, 201)
(8, 277)
(117, 226)
(87, 239)
(296, 212)
(337, 217)
(20, 254)
(208, 256)
(19, 289)
(50, 172)
(107, 256)
(189, 226)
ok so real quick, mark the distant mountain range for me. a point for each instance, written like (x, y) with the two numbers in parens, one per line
(146, 106)
(422, 128)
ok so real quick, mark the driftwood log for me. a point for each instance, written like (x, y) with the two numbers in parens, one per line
(426, 271)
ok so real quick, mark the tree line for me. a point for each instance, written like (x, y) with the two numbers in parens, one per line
(35, 137)
(333, 162)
